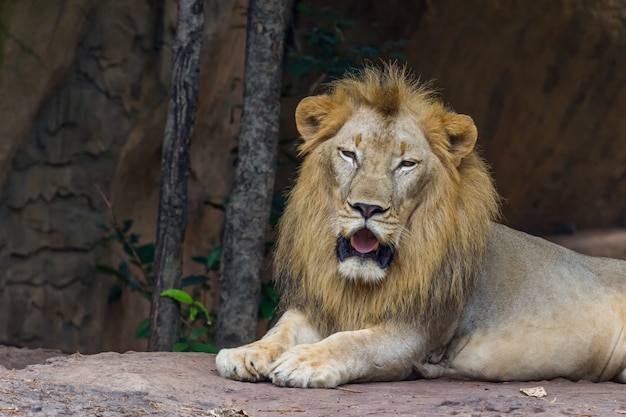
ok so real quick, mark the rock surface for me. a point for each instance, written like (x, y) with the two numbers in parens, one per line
(19, 358)
(186, 384)
(84, 97)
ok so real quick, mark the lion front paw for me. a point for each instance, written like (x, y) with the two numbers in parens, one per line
(306, 366)
(247, 363)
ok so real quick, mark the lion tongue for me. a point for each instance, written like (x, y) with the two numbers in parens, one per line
(364, 241)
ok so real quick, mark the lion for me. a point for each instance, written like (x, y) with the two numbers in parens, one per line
(391, 264)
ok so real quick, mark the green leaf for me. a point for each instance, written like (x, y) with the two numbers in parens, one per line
(180, 347)
(178, 295)
(143, 329)
(199, 259)
(302, 67)
(123, 274)
(269, 300)
(193, 313)
(109, 270)
(145, 253)
(267, 308)
(124, 270)
(204, 310)
(278, 206)
(201, 331)
(203, 347)
(213, 260)
(194, 280)
(126, 225)
(398, 55)
(217, 206)
(270, 291)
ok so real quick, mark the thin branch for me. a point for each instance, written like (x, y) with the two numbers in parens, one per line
(146, 274)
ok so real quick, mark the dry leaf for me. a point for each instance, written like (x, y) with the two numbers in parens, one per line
(536, 392)
(228, 412)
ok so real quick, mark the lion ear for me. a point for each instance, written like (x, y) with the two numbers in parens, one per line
(462, 134)
(310, 115)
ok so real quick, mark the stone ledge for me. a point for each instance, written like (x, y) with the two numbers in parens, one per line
(186, 384)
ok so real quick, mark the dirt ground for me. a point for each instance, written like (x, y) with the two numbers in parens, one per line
(186, 384)
(19, 358)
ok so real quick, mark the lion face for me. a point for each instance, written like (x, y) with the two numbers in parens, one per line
(386, 153)
(380, 168)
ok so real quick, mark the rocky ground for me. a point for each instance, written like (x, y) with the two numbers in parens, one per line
(186, 384)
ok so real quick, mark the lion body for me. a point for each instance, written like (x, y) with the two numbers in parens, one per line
(390, 264)
(540, 311)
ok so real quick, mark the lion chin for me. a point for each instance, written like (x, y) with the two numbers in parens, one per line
(363, 258)
(361, 269)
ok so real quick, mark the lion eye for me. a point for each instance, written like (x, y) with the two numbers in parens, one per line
(348, 155)
(407, 164)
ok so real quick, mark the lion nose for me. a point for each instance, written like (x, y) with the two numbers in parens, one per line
(368, 210)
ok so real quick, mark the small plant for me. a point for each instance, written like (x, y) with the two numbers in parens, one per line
(141, 256)
(141, 278)
(193, 312)
(135, 271)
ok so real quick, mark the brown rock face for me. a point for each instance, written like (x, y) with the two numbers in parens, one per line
(545, 82)
(83, 87)
(96, 123)
(52, 208)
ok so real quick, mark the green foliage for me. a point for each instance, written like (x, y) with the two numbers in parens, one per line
(136, 272)
(211, 262)
(141, 278)
(143, 329)
(269, 300)
(191, 342)
(324, 52)
(141, 256)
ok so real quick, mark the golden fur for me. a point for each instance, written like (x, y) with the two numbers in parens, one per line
(447, 233)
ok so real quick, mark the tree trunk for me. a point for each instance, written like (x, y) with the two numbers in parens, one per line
(172, 218)
(248, 210)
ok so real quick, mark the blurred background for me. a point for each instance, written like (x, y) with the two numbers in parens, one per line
(83, 99)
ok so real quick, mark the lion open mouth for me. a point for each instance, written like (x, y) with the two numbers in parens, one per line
(364, 245)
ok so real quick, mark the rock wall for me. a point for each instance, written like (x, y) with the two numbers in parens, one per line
(96, 124)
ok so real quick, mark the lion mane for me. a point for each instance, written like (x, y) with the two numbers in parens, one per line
(442, 248)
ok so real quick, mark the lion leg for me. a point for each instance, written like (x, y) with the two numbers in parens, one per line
(251, 362)
(375, 354)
